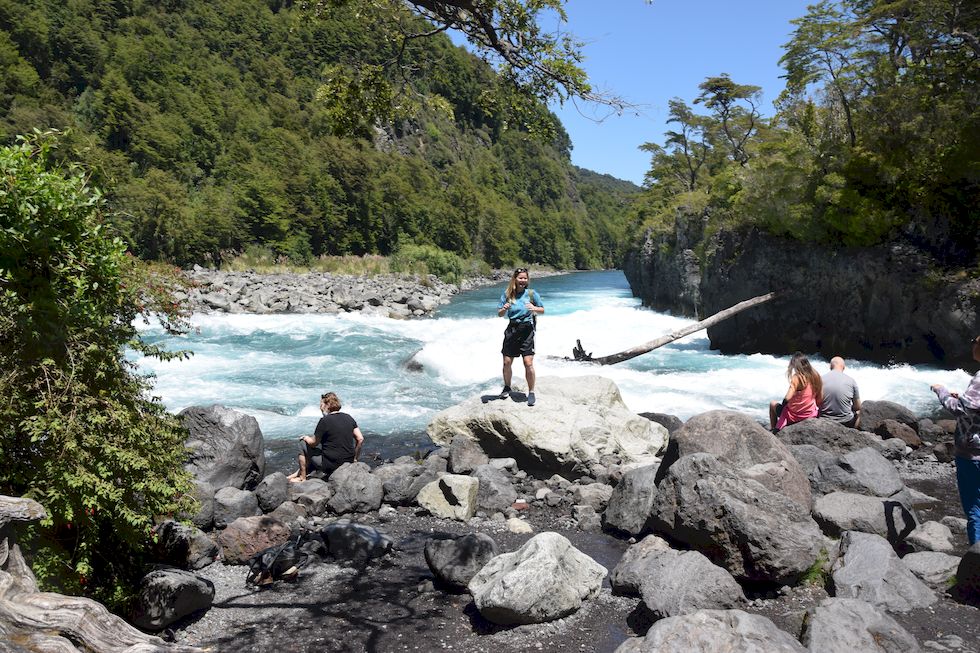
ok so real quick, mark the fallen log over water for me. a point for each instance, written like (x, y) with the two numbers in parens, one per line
(579, 354)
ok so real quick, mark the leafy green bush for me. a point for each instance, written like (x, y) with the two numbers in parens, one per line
(428, 259)
(79, 431)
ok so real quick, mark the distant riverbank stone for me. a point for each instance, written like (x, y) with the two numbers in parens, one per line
(575, 422)
(546, 579)
(738, 440)
(869, 569)
(226, 446)
(714, 631)
(739, 524)
(841, 625)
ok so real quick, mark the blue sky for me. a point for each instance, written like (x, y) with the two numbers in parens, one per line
(650, 53)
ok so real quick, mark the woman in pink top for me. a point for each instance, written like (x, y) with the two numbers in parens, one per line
(802, 400)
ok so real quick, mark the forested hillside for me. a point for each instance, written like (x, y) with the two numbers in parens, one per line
(876, 137)
(215, 126)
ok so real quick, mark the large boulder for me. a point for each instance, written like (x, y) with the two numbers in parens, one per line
(226, 446)
(863, 471)
(714, 631)
(868, 569)
(546, 579)
(853, 626)
(166, 595)
(455, 561)
(451, 497)
(355, 489)
(675, 582)
(246, 536)
(739, 524)
(828, 435)
(739, 441)
(631, 502)
(874, 413)
(583, 419)
(889, 517)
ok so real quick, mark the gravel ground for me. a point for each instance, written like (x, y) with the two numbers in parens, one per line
(392, 604)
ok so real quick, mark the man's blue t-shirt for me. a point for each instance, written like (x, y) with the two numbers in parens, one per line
(519, 310)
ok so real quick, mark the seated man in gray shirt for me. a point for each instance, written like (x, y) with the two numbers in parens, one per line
(841, 401)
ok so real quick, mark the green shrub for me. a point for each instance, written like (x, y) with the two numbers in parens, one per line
(428, 259)
(79, 431)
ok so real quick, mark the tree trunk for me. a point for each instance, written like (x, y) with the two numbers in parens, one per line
(578, 353)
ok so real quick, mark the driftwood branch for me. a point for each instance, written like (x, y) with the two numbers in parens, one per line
(579, 354)
(53, 623)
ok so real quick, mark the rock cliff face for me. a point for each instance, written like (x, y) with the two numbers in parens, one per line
(889, 304)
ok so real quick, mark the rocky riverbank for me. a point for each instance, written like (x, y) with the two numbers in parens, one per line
(398, 296)
(734, 539)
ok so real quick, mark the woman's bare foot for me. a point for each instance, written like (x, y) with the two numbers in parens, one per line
(296, 479)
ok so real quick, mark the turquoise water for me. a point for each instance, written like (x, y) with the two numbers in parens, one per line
(274, 367)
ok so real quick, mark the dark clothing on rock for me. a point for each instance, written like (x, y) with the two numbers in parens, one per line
(518, 339)
(335, 435)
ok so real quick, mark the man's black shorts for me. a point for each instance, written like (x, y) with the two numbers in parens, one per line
(518, 339)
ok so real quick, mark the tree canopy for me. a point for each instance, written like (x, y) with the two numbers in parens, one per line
(876, 137)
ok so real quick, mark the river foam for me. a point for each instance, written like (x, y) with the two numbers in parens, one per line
(274, 367)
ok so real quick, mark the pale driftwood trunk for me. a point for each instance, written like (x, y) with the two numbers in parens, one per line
(579, 352)
(45, 622)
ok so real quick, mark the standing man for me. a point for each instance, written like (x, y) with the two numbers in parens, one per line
(841, 401)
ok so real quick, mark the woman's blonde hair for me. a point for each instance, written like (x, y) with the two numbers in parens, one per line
(799, 365)
(331, 401)
(512, 286)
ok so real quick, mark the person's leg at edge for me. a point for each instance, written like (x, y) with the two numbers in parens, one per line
(299, 476)
(508, 373)
(529, 377)
(773, 414)
(968, 484)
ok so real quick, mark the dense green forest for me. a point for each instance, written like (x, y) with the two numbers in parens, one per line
(214, 126)
(876, 137)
